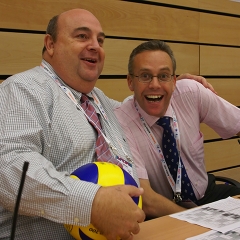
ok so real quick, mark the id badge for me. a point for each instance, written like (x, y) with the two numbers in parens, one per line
(126, 165)
(177, 198)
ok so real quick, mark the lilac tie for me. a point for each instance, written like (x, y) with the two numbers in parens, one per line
(102, 149)
(170, 153)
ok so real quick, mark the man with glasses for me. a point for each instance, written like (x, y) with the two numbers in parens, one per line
(43, 122)
(171, 167)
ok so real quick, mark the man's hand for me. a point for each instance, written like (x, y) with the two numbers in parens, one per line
(115, 214)
(199, 79)
(156, 205)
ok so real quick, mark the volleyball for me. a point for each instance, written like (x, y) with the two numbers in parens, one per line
(104, 174)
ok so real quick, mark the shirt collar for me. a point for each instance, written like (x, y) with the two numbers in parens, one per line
(151, 120)
(76, 94)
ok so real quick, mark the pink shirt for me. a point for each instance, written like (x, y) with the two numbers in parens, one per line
(192, 104)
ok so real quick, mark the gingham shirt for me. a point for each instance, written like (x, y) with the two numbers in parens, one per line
(41, 125)
(193, 104)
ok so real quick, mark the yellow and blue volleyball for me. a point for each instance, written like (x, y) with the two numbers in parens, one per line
(104, 174)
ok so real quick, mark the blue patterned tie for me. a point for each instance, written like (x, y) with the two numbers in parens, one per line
(102, 149)
(170, 153)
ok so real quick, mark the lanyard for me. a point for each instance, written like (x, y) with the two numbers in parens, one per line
(176, 187)
(127, 165)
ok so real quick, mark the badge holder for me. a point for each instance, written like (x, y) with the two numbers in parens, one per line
(177, 197)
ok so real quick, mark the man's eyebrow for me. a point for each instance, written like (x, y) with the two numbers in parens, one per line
(144, 69)
(86, 29)
(165, 68)
(161, 69)
(102, 34)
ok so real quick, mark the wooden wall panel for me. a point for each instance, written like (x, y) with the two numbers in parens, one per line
(118, 52)
(220, 61)
(114, 88)
(19, 52)
(118, 18)
(185, 3)
(39, 12)
(187, 57)
(159, 22)
(25, 53)
(227, 88)
(208, 132)
(222, 154)
(219, 29)
(233, 173)
(117, 55)
(225, 6)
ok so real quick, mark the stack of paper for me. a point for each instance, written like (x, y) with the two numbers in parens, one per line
(222, 216)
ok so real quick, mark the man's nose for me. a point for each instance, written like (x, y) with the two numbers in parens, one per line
(94, 44)
(154, 82)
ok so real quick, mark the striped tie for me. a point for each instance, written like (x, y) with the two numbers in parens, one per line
(102, 149)
(170, 153)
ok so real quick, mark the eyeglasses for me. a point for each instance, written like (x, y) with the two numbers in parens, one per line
(147, 77)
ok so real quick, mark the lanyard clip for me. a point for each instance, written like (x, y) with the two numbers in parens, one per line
(177, 197)
(114, 149)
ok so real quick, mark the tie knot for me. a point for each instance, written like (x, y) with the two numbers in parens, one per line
(164, 122)
(84, 98)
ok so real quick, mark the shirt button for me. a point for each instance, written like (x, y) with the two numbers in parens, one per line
(42, 212)
(76, 220)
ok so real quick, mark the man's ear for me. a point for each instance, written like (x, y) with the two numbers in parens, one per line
(174, 82)
(49, 44)
(130, 82)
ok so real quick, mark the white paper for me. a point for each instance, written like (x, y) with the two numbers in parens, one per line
(222, 215)
(231, 235)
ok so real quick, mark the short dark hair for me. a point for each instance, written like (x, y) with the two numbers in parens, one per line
(151, 45)
(52, 30)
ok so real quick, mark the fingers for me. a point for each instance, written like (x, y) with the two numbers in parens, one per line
(134, 191)
(142, 216)
(211, 88)
(112, 202)
(136, 229)
(129, 235)
(199, 79)
(182, 76)
(206, 84)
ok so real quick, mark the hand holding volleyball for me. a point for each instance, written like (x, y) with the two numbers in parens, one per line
(115, 208)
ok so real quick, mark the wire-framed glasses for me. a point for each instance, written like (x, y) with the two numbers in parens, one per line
(147, 77)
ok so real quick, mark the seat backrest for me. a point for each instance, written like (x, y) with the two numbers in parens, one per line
(228, 180)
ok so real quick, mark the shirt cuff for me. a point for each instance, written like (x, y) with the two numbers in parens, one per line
(79, 202)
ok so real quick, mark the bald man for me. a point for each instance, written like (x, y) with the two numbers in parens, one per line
(43, 123)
